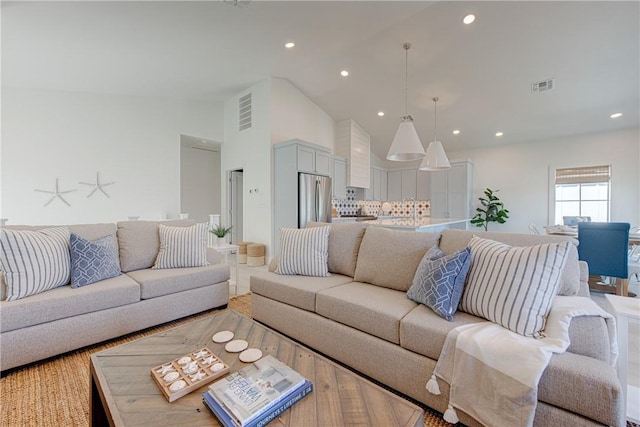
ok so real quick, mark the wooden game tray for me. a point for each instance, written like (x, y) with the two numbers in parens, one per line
(185, 374)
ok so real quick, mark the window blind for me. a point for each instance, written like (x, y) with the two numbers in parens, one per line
(582, 175)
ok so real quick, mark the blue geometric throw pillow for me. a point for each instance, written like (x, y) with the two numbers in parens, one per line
(93, 261)
(438, 282)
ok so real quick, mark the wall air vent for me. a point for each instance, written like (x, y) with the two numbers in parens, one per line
(543, 86)
(244, 112)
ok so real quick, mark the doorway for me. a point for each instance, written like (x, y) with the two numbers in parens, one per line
(236, 190)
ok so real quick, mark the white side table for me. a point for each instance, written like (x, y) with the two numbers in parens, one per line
(626, 309)
(225, 250)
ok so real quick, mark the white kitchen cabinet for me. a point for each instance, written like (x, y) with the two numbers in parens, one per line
(423, 185)
(313, 160)
(289, 159)
(354, 144)
(401, 184)
(451, 191)
(383, 184)
(408, 179)
(339, 177)
(394, 185)
(378, 189)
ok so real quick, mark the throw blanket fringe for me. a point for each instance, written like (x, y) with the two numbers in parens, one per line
(432, 385)
(450, 415)
(490, 377)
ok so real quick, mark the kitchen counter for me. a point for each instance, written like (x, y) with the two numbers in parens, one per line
(423, 224)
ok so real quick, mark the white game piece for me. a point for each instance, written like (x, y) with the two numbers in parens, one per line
(222, 336)
(236, 346)
(250, 355)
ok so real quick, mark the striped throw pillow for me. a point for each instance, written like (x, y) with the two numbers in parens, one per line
(513, 286)
(34, 261)
(304, 251)
(182, 247)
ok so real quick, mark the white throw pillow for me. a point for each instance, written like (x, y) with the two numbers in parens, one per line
(182, 247)
(34, 261)
(513, 286)
(304, 251)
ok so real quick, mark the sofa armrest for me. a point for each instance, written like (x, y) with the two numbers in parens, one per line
(583, 291)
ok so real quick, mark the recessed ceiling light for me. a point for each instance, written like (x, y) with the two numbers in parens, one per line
(456, 132)
(469, 19)
(615, 115)
(344, 73)
(289, 45)
(381, 113)
(499, 133)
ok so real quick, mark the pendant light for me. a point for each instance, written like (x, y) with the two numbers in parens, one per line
(406, 144)
(436, 159)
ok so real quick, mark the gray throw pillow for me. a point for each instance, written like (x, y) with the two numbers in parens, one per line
(439, 281)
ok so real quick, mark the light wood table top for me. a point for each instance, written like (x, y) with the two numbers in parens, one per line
(124, 394)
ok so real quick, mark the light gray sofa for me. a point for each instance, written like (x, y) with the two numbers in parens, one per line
(361, 317)
(64, 319)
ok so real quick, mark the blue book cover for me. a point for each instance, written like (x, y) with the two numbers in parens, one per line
(269, 415)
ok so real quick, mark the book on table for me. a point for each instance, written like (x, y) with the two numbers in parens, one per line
(257, 390)
(267, 415)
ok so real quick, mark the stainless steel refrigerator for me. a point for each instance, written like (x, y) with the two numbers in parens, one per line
(314, 199)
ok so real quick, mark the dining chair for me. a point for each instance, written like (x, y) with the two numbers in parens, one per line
(605, 247)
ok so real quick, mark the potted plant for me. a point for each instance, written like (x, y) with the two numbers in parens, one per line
(220, 231)
(492, 210)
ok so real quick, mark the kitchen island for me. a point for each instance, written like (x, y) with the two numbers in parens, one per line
(423, 224)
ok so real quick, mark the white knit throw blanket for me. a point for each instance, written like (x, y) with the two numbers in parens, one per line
(493, 373)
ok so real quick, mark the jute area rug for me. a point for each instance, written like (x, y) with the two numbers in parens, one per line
(56, 392)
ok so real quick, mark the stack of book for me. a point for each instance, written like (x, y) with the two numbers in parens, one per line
(256, 394)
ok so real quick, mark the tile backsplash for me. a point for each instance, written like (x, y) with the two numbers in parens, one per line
(350, 206)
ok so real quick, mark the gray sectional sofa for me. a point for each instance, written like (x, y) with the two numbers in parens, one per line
(360, 316)
(64, 319)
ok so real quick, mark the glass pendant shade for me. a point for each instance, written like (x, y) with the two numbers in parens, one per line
(436, 159)
(406, 144)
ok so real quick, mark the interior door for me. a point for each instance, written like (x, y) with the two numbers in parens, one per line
(236, 191)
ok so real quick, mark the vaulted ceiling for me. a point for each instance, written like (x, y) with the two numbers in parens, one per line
(481, 72)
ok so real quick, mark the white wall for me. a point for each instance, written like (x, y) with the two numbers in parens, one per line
(250, 150)
(280, 113)
(293, 115)
(521, 173)
(134, 142)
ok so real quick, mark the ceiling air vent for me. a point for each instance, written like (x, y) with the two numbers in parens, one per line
(244, 112)
(543, 86)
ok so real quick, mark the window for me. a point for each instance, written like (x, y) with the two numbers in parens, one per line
(582, 191)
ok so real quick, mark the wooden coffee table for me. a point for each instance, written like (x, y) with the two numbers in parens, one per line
(124, 394)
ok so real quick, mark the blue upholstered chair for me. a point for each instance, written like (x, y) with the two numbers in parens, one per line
(605, 247)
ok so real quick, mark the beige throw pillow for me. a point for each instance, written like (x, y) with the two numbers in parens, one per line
(389, 258)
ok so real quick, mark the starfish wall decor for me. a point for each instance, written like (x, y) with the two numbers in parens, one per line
(57, 194)
(97, 186)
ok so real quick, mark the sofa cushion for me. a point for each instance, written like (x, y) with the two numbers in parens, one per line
(155, 283)
(304, 251)
(344, 244)
(182, 247)
(453, 240)
(139, 242)
(298, 291)
(371, 309)
(389, 258)
(63, 302)
(439, 281)
(34, 261)
(513, 286)
(424, 332)
(92, 261)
